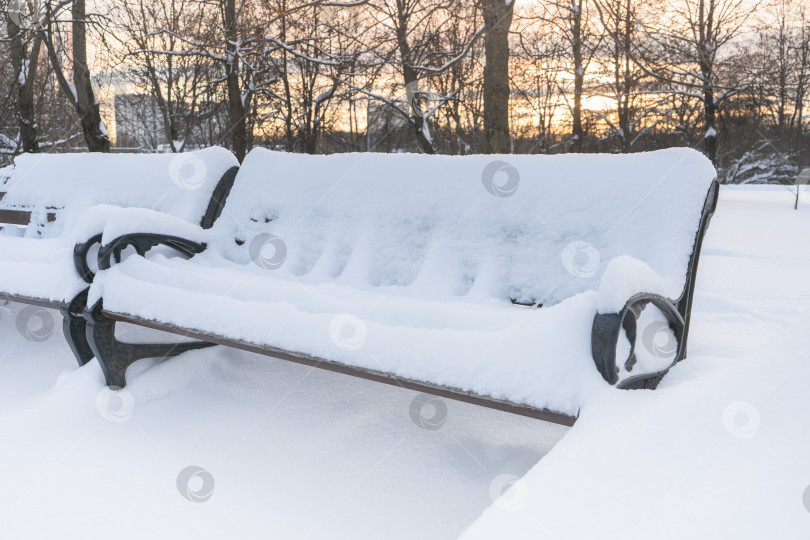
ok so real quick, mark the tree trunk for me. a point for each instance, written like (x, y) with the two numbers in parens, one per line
(411, 79)
(95, 135)
(236, 107)
(288, 130)
(25, 69)
(627, 82)
(710, 114)
(497, 21)
(577, 133)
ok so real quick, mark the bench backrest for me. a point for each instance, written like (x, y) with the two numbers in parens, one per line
(531, 229)
(52, 190)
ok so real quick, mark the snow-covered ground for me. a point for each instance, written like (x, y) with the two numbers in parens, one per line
(283, 451)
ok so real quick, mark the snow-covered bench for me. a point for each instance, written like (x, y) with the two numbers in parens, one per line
(492, 280)
(52, 201)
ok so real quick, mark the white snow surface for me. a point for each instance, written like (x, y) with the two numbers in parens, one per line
(143, 220)
(421, 256)
(624, 277)
(718, 451)
(37, 261)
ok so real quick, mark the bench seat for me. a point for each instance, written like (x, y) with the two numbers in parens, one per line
(540, 357)
(423, 271)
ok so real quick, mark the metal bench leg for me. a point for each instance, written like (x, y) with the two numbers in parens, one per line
(74, 326)
(114, 356)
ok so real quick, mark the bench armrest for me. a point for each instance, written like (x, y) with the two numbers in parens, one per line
(142, 229)
(627, 288)
(143, 242)
(81, 251)
(91, 228)
(607, 330)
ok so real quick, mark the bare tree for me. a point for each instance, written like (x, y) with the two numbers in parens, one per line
(80, 91)
(636, 101)
(463, 116)
(243, 41)
(574, 21)
(22, 22)
(778, 61)
(497, 21)
(537, 79)
(317, 49)
(696, 37)
(9, 123)
(148, 35)
(411, 36)
(802, 51)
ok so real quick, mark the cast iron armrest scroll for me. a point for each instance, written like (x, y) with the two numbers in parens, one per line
(143, 242)
(607, 328)
(80, 252)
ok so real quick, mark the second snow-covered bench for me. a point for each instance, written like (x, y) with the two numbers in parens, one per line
(497, 281)
(52, 201)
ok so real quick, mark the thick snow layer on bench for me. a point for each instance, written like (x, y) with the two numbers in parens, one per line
(42, 269)
(540, 357)
(625, 277)
(531, 228)
(145, 221)
(405, 264)
(178, 184)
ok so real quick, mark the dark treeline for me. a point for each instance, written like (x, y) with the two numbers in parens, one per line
(728, 77)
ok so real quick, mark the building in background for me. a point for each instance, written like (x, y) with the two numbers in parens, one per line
(138, 123)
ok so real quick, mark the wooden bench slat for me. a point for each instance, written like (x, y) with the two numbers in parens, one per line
(15, 217)
(41, 302)
(21, 217)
